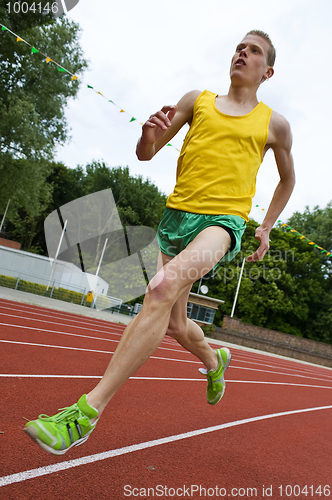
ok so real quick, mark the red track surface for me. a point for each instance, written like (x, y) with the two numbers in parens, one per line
(50, 358)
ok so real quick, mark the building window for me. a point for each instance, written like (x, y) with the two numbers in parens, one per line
(200, 313)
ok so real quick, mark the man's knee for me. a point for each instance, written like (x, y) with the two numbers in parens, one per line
(162, 288)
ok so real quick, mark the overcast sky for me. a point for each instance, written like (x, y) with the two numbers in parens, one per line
(145, 54)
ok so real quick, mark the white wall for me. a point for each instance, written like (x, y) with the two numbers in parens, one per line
(38, 269)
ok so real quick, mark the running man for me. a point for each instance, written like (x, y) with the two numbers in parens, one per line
(202, 225)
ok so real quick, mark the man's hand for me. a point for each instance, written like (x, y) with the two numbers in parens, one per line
(263, 236)
(157, 124)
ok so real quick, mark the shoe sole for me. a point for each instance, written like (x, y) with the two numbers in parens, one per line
(33, 434)
(221, 394)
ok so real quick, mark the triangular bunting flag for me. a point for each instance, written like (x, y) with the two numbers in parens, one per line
(48, 59)
(122, 111)
(74, 78)
(3, 28)
(132, 120)
(63, 70)
(34, 51)
(89, 87)
(18, 39)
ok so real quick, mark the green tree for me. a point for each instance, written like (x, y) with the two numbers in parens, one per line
(33, 96)
(138, 201)
(288, 291)
(316, 225)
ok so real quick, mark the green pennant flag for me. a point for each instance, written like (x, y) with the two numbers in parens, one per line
(111, 101)
(132, 120)
(324, 251)
(62, 69)
(34, 51)
(169, 144)
(3, 28)
(89, 87)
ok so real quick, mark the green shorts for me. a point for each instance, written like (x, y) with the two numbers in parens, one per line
(177, 229)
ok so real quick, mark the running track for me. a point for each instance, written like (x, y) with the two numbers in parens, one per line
(273, 427)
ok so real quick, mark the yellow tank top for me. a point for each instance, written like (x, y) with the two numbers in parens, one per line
(219, 160)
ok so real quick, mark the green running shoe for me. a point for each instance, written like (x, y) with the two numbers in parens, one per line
(70, 427)
(216, 383)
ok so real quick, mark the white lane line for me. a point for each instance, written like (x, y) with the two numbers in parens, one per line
(66, 316)
(50, 469)
(280, 367)
(165, 379)
(82, 336)
(279, 373)
(107, 332)
(158, 357)
(114, 325)
(91, 350)
(284, 366)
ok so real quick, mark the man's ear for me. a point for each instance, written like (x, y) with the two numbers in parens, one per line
(269, 73)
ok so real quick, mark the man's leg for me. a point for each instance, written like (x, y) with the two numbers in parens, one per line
(146, 331)
(186, 332)
(140, 339)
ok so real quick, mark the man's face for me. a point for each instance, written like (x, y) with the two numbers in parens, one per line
(249, 63)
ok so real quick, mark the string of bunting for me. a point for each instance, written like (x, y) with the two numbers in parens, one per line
(302, 237)
(60, 68)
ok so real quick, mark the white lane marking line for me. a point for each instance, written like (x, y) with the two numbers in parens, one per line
(63, 316)
(280, 367)
(83, 336)
(279, 373)
(19, 375)
(50, 469)
(108, 332)
(91, 350)
(113, 325)
(157, 357)
(94, 322)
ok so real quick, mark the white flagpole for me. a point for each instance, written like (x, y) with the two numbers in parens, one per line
(238, 287)
(3, 218)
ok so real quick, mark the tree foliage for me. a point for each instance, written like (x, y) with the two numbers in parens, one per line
(33, 97)
(289, 291)
(138, 200)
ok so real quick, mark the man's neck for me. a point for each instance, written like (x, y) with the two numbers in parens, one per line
(242, 96)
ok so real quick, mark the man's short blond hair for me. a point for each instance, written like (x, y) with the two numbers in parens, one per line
(271, 55)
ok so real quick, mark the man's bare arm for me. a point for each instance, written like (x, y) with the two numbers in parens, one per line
(163, 125)
(281, 144)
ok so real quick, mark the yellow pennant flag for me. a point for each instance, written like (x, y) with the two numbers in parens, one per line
(74, 78)
(122, 111)
(48, 59)
(18, 39)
